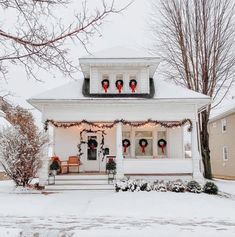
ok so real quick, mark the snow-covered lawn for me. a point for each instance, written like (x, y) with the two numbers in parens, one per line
(106, 213)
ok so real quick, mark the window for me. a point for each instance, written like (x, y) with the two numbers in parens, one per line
(143, 143)
(92, 149)
(224, 125)
(214, 125)
(225, 153)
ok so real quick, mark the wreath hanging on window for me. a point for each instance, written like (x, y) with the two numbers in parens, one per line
(126, 143)
(119, 85)
(143, 144)
(105, 85)
(92, 144)
(133, 85)
(162, 144)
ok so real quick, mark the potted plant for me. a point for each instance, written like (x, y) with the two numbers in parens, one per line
(55, 167)
(111, 166)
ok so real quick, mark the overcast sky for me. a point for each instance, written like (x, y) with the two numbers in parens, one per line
(129, 29)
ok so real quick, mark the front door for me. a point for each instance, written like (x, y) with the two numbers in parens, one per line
(92, 162)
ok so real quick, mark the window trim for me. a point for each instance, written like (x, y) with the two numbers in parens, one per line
(224, 125)
(225, 148)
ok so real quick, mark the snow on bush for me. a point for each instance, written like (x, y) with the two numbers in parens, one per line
(160, 186)
(210, 188)
(193, 187)
(20, 153)
(177, 186)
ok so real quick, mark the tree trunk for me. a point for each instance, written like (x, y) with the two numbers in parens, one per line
(205, 144)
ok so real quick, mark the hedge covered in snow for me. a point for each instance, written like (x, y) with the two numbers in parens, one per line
(178, 186)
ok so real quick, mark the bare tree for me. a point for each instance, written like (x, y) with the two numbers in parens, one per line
(196, 40)
(33, 36)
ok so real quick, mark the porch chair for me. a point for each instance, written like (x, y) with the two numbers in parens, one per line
(73, 164)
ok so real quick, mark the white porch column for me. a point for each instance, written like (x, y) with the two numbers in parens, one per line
(119, 155)
(196, 157)
(48, 152)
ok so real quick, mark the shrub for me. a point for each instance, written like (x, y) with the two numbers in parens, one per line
(210, 188)
(193, 187)
(160, 186)
(20, 153)
(177, 186)
(111, 165)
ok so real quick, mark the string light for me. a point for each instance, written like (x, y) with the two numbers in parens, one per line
(166, 124)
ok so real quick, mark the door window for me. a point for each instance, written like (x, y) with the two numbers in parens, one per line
(92, 148)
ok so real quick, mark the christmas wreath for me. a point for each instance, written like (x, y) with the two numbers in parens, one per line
(126, 143)
(143, 144)
(162, 144)
(92, 144)
(105, 85)
(119, 85)
(133, 85)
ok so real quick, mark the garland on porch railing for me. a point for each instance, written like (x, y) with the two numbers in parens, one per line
(101, 150)
(166, 124)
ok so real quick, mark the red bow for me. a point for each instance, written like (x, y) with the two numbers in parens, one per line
(125, 147)
(162, 147)
(133, 87)
(119, 87)
(143, 148)
(105, 86)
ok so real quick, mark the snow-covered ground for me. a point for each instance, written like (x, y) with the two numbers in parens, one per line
(106, 213)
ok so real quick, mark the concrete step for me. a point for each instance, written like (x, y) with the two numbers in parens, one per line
(81, 177)
(80, 181)
(79, 187)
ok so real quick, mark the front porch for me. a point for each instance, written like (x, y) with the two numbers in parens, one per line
(132, 160)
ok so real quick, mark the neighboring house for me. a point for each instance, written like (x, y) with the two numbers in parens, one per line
(222, 141)
(122, 109)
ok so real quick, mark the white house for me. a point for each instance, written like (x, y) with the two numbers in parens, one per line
(122, 109)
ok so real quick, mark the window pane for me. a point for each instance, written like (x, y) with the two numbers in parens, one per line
(91, 151)
(143, 134)
(147, 151)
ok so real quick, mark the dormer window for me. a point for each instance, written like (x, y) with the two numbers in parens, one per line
(105, 82)
(119, 83)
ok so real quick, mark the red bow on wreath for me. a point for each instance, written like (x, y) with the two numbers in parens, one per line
(143, 144)
(105, 85)
(126, 143)
(133, 85)
(162, 144)
(119, 85)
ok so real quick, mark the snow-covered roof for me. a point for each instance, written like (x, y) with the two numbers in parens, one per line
(119, 52)
(163, 91)
(3, 121)
(119, 56)
(224, 109)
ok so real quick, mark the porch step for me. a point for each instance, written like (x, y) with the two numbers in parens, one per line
(80, 182)
(81, 177)
(70, 187)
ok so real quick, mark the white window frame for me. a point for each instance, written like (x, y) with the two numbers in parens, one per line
(223, 125)
(225, 153)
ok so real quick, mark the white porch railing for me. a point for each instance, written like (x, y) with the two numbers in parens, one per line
(157, 166)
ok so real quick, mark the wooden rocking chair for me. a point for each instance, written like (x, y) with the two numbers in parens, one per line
(73, 164)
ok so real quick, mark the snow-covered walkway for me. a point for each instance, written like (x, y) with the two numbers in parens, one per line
(106, 213)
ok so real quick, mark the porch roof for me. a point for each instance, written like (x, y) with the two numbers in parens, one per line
(164, 91)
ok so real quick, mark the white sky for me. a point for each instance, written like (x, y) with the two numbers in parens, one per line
(129, 29)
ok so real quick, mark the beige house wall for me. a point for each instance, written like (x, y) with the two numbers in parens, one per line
(219, 139)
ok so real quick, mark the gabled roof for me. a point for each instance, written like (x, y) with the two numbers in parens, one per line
(223, 110)
(164, 91)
